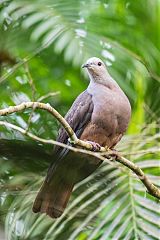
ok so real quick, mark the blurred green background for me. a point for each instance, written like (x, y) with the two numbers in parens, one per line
(42, 47)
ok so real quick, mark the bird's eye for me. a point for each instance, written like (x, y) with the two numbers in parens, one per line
(99, 63)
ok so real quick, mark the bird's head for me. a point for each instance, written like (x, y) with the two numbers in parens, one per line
(96, 68)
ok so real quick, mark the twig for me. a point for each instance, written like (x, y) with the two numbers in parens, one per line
(144, 152)
(152, 189)
(53, 142)
(33, 90)
(51, 94)
(51, 110)
(30, 81)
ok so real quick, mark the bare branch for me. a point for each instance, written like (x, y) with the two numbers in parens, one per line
(30, 81)
(47, 107)
(152, 150)
(49, 141)
(50, 94)
(152, 189)
(33, 90)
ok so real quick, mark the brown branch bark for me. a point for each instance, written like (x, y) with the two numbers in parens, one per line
(151, 188)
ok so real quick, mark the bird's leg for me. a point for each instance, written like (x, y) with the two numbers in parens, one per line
(95, 146)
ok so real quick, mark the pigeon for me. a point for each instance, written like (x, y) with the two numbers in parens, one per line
(100, 115)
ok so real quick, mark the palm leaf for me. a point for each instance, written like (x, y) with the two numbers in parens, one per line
(70, 26)
(106, 205)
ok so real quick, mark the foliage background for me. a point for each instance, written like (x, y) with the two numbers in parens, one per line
(55, 38)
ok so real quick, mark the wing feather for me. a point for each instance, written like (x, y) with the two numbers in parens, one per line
(78, 117)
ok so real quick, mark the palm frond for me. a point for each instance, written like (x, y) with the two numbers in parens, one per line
(107, 205)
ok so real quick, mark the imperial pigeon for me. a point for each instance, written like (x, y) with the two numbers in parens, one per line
(99, 115)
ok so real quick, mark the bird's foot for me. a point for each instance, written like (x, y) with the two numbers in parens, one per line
(114, 154)
(95, 146)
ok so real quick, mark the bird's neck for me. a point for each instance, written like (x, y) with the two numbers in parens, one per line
(106, 80)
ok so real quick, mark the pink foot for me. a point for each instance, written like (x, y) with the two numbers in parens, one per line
(95, 146)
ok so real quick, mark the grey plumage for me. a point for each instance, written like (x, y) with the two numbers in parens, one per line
(100, 114)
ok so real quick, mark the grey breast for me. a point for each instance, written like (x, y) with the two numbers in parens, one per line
(111, 108)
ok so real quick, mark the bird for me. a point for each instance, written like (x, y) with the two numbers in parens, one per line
(100, 115)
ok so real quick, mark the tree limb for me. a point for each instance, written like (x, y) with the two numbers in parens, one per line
(151, 188)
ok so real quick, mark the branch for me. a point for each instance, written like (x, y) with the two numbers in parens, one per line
(53, 142)
(152, 150)
(49, 141)
(30, 81)
(50, 94)
(52, 111)
(152, 189)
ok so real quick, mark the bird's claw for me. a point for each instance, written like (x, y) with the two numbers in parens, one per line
(95, 146)
(114, 154)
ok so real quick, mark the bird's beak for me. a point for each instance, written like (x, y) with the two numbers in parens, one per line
(86, 65)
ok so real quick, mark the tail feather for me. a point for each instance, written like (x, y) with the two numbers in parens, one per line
(52, 198)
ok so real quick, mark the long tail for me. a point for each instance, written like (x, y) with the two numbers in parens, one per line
(52, 198)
